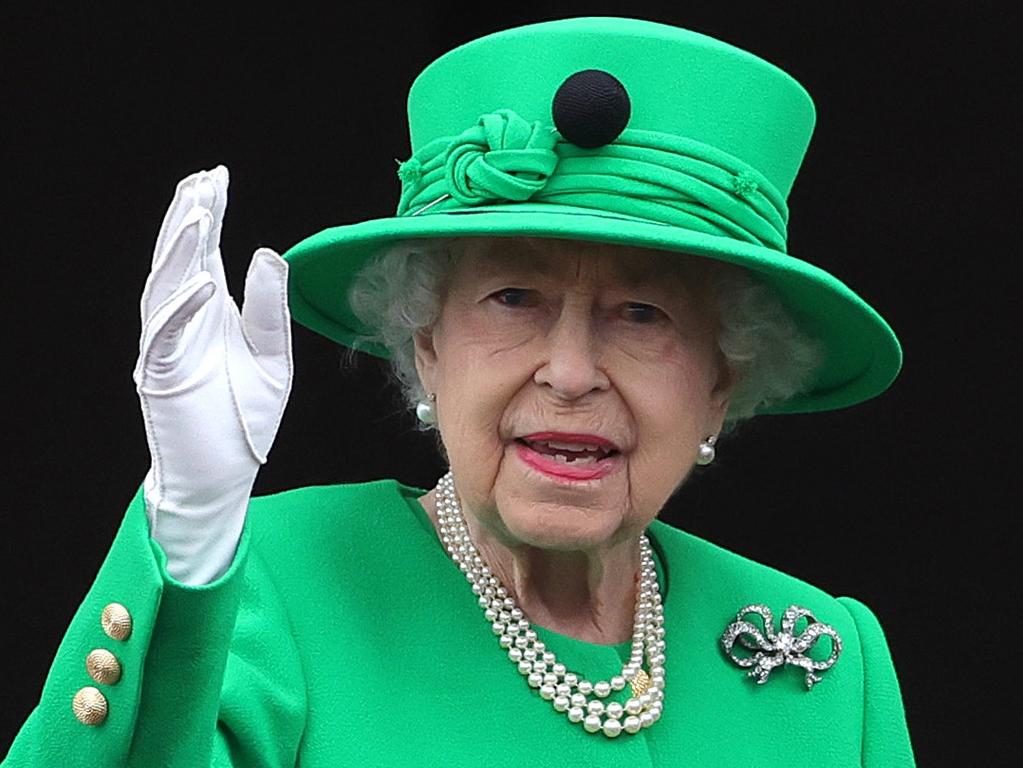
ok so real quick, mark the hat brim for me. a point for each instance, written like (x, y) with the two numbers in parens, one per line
(862, 355)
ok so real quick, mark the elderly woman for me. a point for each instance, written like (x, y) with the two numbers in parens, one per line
(585, 285)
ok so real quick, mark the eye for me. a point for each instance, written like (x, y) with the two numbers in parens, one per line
(515, 297)
(642, 313)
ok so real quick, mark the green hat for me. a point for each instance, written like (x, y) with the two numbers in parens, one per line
(620, 131)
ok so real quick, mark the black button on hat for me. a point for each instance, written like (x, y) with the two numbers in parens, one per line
(591, 108)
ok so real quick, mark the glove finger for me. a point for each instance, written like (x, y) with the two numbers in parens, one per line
(265, 316)
(217, 206)
(162, 338)
(183, 258)
(198, 189)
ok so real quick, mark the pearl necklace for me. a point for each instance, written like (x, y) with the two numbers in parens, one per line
(567, 692)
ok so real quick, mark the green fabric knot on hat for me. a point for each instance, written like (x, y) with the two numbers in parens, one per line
(744, 184)
(410, 172)
(502, 157)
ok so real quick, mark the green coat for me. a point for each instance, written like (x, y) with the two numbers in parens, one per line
(343, 635)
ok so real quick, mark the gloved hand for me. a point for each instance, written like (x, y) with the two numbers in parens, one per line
(212, 382)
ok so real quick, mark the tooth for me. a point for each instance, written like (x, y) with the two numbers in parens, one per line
(572, 446)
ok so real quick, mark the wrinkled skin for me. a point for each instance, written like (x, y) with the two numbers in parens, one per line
(544, 335)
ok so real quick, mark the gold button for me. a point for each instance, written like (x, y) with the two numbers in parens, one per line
(103, 666)
(90, 706)
(116, 621)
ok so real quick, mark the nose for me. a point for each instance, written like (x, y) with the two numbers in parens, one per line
(571, 366)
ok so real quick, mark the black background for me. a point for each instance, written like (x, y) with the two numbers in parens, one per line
(903, 502)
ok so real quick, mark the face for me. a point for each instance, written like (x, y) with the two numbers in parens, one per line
(574, 383)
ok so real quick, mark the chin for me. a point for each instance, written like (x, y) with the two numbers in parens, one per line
(560, 527)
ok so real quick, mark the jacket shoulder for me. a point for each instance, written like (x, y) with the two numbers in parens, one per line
(318, 536)
(718, 585)
(709, 587)
(319, 508)
(319, 499)
(736, 576)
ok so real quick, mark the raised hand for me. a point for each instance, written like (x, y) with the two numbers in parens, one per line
(212, 381)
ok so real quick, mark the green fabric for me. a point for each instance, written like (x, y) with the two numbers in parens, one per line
(343, 635)
(502, 158)
(714, 141)
(653, 176)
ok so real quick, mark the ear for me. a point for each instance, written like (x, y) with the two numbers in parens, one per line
(721, 396)
(426, 358)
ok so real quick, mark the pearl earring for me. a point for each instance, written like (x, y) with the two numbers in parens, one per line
(426, 409)
(706, 453)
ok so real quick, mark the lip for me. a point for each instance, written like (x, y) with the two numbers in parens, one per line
(562, 471)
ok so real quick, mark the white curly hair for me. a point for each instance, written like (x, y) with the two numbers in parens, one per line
(399, 293)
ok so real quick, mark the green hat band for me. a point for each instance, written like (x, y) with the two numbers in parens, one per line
(657, 177)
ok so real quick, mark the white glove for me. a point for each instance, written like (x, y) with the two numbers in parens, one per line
(212, 382)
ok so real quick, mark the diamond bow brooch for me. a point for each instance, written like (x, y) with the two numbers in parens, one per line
(776, 649)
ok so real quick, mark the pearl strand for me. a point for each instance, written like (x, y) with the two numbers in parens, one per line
(567, 692)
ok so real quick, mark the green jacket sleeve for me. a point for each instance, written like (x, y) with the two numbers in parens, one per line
(885, 734)
(209, 675)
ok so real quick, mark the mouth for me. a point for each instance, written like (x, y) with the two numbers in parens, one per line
(568, 456)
